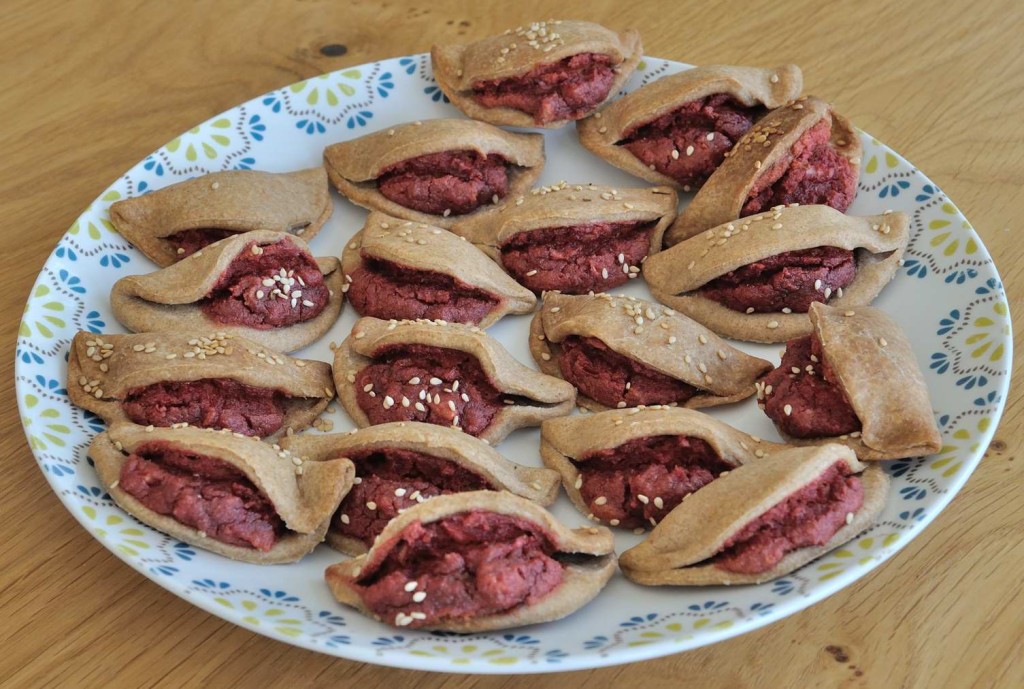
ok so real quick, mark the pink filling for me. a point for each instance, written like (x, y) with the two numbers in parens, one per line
(447, 183)
(280, 286)
(818, 407)
(384, 289)
(187, 242)
(644, 479)
(563, 90)
(204, 493)
(579, 259)
(610, 378)
(813, 173)
(208, 403)
(809, 517)
(468, 565)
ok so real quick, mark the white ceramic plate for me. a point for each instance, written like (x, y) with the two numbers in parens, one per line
(948, 297)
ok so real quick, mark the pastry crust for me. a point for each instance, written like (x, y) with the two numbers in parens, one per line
(166, 300)
(533, 483)
(565, 443)
(583, 577)
(354, 166)
(872, 361)
(103, 369)
(458, 67)
(554, 397)
(723, 195)
(676, 274)
(305, 502)
(567, 205)
(428, 248)
(601, 132)
(678, 549)
(730, 374)
(236, 200)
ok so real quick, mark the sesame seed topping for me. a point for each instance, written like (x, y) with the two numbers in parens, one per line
(788, 409)
(689, 150)
(659, 503)
(882, 342)
(772, 325)
(419, 597)
(371, 506)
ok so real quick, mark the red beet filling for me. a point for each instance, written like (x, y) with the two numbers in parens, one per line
(579, 259)
(464, 566)
(563, 90)
(615, 380)
(792, 280)
(201, 492)
(642, 480)
(384, 289)
(808, 517)
(447, 183)
(187, 242)
(279, 286)
(434, 385)
(392, 480)
(812, 173)
(802, 398)
(208, 403)
(689, 143)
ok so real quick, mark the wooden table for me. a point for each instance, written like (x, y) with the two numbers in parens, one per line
(90, 88)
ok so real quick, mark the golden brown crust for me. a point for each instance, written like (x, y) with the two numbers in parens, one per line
(676, 274)
(458, 67)
(583, 577)
(769, 141)
(601, 132)
(566, 443)
(236, 200)
(305, 501)
(166, 300)
(679, 549)
(553, 397)
(103, 369)
(354, 166)
(428, 248)
(681, 348)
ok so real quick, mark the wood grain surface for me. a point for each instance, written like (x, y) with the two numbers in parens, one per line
(91, 87)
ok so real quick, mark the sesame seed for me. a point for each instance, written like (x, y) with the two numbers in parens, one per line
(882, 342)
(600, 500)
(772, 325)
(672, 339)
(774, 78)
(621, 405)
(545, 356)
(750, 309)
(418, 597)
(710, 136)
(689, 150)
(788, 409)
(659, 503)
(371, 506)
(702, 339)
(849, 517)
(675, 154)
(579, 482)
(643, 498)
(614, 522)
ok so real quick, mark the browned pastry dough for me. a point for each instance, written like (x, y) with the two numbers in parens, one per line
(652, 335)
(426, 248)
(167, 300)
(588, 565)
(304, 494)
(458, 68)
(104, 369)
(234, 200)
(535, 484)
(678, 549)
(872, 361)
(751, 86)
(769, 141)
(544, 396)
(676, 275)
(354, 166)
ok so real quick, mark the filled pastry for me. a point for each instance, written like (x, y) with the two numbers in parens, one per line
(404, 270)
(472, 562)
(761, 521)
(211, 381)
(545, 74)
(803, 152)
(174, 222)
(221, 491)
(630, 468)
(400, 465)
(625, 352)
(755, 278)
(853, 380)
(435, 171)
(264, 286)
(677, 129)
(575, 238)
(442, 373)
